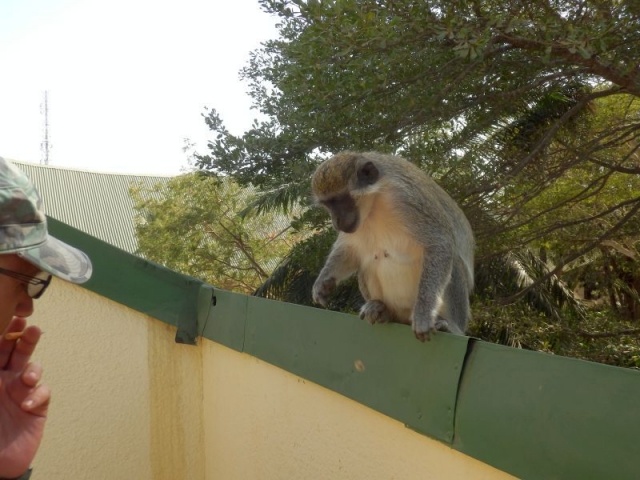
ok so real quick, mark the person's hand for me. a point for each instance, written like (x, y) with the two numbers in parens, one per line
(23, 403)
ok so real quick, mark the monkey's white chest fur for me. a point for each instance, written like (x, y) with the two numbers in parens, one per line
(390, 260)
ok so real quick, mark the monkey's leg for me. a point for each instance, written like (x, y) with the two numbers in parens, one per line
(456, 300)
(374, 311)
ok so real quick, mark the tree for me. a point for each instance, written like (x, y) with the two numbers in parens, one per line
(447, 84)
(526, 112)
(192, 225)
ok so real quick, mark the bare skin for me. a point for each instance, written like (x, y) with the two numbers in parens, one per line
(24, 402)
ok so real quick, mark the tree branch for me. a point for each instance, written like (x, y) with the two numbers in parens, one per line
(245, 250)
(629, 82)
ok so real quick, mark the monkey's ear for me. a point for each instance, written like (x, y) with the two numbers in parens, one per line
(368, 174)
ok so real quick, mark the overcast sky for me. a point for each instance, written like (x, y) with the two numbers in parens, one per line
(127, 80)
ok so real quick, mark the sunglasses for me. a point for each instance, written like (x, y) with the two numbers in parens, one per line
(35, 285)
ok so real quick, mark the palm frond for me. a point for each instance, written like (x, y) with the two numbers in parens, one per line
(289, 282)
(551, 296)
(285, 198)
(506, 275)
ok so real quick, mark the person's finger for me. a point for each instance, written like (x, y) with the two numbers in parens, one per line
(24, 348)
(37, 402)
(7, 346)
(25, 391)
(32, 374)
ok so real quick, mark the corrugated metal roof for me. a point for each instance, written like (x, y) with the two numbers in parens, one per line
(96, 203)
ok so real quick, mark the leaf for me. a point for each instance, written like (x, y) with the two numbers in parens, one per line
(585, 52)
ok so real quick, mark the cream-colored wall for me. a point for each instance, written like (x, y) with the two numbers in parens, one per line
(130, 403)
(126, 401)
(262, 422)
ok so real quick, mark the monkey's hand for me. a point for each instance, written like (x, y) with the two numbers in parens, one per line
(374, 311)
(440, 325)
(322, 288)
(423, 326)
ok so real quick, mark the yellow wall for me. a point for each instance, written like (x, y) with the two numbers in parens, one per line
(128, 402)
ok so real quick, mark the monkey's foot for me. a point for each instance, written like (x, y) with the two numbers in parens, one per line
(442, 324)
(374, 311)
(445, 325)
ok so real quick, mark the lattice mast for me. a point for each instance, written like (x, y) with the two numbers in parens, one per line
(45, 145)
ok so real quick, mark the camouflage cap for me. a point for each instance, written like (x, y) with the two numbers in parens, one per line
(23, 229)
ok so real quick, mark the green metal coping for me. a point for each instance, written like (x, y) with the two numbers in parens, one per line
(526, 413)
(542, 416)
(140, 284)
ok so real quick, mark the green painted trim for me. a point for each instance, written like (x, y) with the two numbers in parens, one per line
(549, 417)
(137, 283)
(226, 324)
(526, 413)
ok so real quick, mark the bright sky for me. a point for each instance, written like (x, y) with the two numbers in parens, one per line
(128, 80)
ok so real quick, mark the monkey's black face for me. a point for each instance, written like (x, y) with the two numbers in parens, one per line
(344, 212)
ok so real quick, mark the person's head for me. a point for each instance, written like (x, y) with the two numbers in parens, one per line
(29, 256)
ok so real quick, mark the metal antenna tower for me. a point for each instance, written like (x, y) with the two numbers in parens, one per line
(45, 146)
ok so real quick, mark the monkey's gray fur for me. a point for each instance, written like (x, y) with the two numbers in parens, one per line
(407, 239)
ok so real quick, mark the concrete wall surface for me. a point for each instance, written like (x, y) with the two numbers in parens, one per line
(126, 399)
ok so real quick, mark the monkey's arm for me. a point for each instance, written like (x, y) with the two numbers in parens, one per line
(341, 264)
(436, 274)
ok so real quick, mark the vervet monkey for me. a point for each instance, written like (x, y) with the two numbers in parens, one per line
(407, 239)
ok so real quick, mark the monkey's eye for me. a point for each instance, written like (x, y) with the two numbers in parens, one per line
(368, 174)
(339, 203)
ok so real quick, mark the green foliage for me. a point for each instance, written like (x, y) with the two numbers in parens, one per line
(601, 336)
(192, 225)
(493, 100)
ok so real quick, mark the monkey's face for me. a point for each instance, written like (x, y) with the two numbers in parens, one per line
(344, 212)
(338, 185)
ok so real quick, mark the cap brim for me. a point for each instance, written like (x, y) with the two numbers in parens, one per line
(60, 259)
